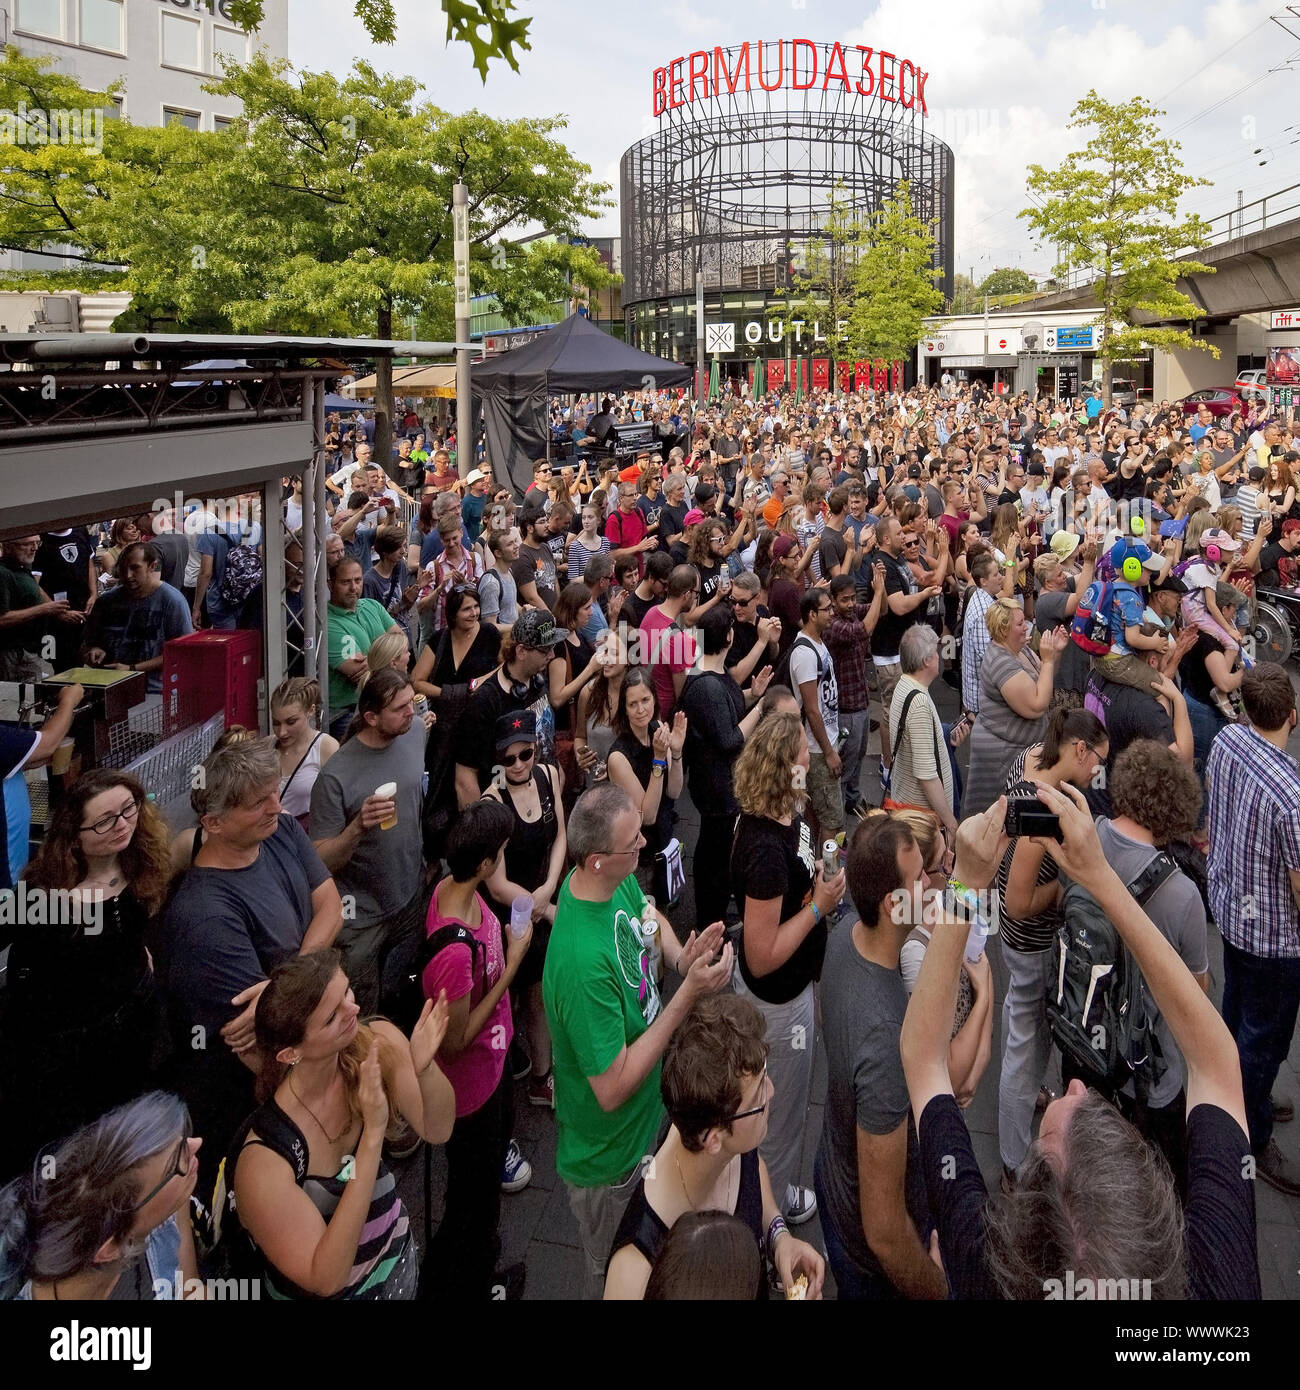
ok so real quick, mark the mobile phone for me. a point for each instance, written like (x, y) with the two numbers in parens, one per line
(1029, 816)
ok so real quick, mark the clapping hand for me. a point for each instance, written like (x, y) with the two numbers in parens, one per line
(428, 1033)
(1053, 643)
(762, 679)
(677, 740)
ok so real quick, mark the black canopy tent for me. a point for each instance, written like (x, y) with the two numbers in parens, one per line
(515, 388)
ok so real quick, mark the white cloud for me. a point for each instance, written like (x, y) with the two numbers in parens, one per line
(1004, 75)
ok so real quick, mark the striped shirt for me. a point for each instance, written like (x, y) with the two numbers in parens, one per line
(974, 643)
(1254, 814)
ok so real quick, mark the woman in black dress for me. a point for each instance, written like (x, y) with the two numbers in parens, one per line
(533, 865)
(83, 1018)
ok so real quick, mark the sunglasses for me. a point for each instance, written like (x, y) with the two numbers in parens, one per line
(511, 759)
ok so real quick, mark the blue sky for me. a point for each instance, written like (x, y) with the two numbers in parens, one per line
(1004, 75)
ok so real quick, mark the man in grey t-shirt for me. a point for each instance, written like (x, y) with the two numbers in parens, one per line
(378, 870)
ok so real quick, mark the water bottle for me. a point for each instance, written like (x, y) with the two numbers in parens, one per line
(830, 860)
(521, 914)
(978, 935)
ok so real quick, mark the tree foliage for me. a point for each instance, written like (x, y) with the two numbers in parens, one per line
(894, 281)
(486, 25)
(821, 290)
(1007, 280)
(1112, 209)
(325, 209)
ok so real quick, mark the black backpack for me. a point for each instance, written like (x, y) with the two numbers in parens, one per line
(407, 1001)
(243, 573)
(1098, 1008)
(781, 676)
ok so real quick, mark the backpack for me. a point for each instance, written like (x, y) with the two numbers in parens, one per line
(781, 676)
(1090, 626)
(242, 575)
(407, 1002)
(1098, 1009)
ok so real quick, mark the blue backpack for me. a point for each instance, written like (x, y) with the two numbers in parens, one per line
(1090, 626)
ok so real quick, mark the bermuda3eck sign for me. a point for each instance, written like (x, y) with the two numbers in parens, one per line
(798, 65)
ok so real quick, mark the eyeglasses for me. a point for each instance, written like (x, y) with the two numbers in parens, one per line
(636, 848)
(179, 1168)
(105, 825)
(511, 759)
(755, 1110)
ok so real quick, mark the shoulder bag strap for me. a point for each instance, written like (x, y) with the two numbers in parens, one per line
(902, 722)
(301, 760)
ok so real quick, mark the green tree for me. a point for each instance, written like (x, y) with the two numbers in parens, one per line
(963, 295)
(1112, 206)
(894, 282)
(1007, 280)
(821, 289)
(325, 209)
(485, 25)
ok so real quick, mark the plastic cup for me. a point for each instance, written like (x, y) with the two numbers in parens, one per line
(389, 792)
(521, 914)
(62, 759)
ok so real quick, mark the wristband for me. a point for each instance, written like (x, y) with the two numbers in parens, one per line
(777, 1229)
(816, 912)
(659, 762)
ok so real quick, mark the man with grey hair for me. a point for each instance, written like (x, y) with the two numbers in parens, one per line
(609, 1027)
(256, 893)
(922, 771)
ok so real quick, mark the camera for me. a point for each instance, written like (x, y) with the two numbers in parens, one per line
(1028, 816)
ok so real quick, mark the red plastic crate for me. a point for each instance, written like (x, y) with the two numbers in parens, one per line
(207, 672)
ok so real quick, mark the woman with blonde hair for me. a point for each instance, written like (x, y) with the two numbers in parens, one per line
(1015, 696)
(304, 749)
(83, 1016)
(309, 1181)
(785, 903)
(389, 649)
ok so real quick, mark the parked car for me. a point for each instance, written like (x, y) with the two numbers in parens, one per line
(1221, 401)
(1122, 390)
(1250, 384)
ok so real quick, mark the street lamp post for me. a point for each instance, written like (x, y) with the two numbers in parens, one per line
(464, 405)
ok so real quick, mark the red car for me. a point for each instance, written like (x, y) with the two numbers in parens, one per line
(1219, 400)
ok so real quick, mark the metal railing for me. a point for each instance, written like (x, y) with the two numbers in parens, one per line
(1282, 205)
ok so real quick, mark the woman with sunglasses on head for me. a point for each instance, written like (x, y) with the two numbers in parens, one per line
(532, 866)
(104, 1214)
(331, 1087)
(83, 1016)
(464, 650)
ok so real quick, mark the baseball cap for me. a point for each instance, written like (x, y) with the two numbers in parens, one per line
(693, 517)
(519, 726)
(782, 546)
(537, 629)
(1217, 536)
(1064, 544)
(475, 475)
(1257, 474)
(914, 471)
(1171, 584)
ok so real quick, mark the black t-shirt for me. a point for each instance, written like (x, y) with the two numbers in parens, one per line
(1072, 665)
(899, 579)
(650, 510)
(743, 637)
(831, 550)
(1196, 679)
(1128, 714)
(558, 546)
(1222, 1263)
(641, 756)
(536, 565)
(778, 861)
(1124, 489)
(476, 732)
(62, 561)
(1267, 578)
(710, 577)
(713, 705)
(671, 523)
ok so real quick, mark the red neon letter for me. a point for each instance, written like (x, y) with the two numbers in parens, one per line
(674, 82)
(920, 91)
(866, 73)
(886, 95)
(721, 75)
(659, 103)
(794, 65)
(836, 55)
(904, 68)
(780, 71)
(699, 72)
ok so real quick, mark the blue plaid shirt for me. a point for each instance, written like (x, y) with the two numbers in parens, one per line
(1254, 840)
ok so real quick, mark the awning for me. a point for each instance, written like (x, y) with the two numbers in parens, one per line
(436, 380)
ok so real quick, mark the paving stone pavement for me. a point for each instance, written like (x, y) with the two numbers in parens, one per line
(537, 1226)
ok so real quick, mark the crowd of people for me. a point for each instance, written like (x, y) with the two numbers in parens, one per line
(472, 885)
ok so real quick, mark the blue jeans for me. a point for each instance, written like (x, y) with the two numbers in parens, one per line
(1206, 721)
(1261, 997)
(956, 771)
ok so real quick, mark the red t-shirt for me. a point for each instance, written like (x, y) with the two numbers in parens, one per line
(663, 653)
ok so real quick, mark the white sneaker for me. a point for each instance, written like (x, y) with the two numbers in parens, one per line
(800, 1204)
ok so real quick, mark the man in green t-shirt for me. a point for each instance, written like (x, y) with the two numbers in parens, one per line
(609, 1027)
(351, 624)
